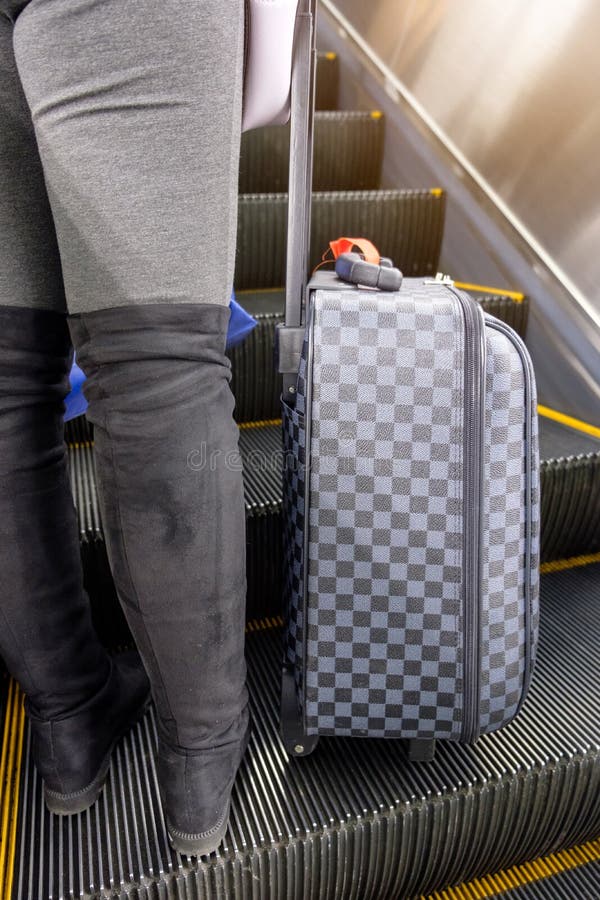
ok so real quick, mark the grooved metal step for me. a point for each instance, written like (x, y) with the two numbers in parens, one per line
(514, 313)
(404, 225)
(356, 820)
(582, 883)
(255, 384)
(348, 154)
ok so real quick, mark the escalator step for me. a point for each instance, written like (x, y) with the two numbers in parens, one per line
(570, 490)
(515, 314)
(328, 80)
(348, 154)
(356, 819)
(255, 384)
(571, 873)
(558, 440)
(582, 883)
(404, 225)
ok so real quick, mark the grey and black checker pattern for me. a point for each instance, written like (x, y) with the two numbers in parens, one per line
(293, 533)
(535, 514)
(503, 638)
(384, 648)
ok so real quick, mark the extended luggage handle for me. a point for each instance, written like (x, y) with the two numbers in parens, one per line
(289, 335)
(302, 114)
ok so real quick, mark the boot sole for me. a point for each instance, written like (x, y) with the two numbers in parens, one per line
(199, 844)
(78, 801)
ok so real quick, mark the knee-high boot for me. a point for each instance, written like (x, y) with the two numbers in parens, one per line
(78, 700)
(171, 499)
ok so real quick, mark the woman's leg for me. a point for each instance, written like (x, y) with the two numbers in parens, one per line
(137, 112)
(46, 634)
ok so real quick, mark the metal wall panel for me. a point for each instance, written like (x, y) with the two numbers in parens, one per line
(516, 87)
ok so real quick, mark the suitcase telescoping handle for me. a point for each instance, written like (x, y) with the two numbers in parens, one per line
(290, 333)
(301, 158)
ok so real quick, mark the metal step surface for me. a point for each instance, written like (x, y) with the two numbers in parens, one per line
(404, 225)
(356, 820)
(582, 883)
(348, 154)
(255, 384)
(570, 491)
(572, 873)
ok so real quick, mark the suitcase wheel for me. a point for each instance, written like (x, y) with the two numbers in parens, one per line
(295, 741)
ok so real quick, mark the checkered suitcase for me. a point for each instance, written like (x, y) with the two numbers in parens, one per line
(411, 508)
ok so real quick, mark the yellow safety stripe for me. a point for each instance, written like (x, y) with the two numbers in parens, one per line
(80, 445)
(271, 290)
(558, 565)
(484, 289)
(538, 869)
(10, 779)
(556, 416)
(264, 624)
(260, 424)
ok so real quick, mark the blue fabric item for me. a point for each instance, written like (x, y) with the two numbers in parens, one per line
(75, 404)
(241, 324)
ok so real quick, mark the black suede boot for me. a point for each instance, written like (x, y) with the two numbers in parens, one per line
(46, 633)
(171, 498)
(72, 752)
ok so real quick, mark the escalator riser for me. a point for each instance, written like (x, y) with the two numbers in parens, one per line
(255, 384)
(404, 225)
(348, 154)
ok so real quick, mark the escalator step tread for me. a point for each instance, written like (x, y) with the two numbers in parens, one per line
(558, 440)
(582, 883)
(356, 812)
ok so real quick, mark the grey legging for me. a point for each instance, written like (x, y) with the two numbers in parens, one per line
(136, 107)
(119, 144)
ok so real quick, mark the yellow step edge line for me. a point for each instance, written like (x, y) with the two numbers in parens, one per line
(10, 778)
(271, 290)
(517, 876)
(556, 416)
(4, 785)
(262, 423)
(484, 289)
(264, 624)
(19, 726)
(559, 565)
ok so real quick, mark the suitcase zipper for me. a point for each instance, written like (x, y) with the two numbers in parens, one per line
(473, 458)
